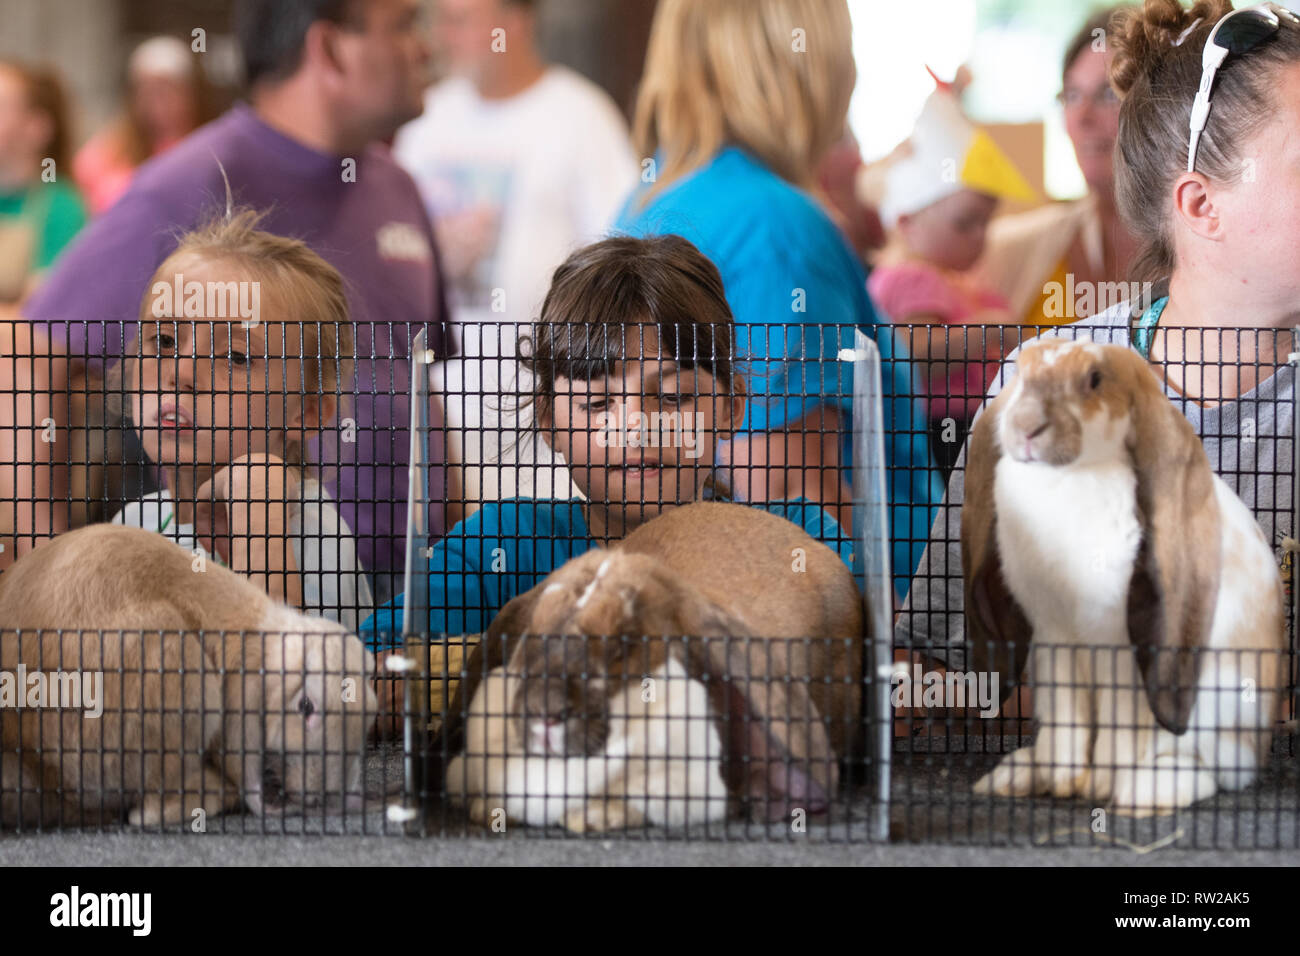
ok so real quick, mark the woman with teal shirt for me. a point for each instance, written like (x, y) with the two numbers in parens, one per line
(768, 238)
(730, 173)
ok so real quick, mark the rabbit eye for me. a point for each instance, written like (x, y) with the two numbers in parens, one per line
(306, 707)
(1094, 380)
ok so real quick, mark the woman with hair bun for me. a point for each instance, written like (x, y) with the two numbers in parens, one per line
(1217, 214)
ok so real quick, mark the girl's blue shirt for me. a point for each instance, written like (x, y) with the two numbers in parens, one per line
(798, 292)
(507, 547)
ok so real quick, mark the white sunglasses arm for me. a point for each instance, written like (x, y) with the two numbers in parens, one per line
(1210, 63)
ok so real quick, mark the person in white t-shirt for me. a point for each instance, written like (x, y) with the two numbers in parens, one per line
(519, 163)
(224, 410)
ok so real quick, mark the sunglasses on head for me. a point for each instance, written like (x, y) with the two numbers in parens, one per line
(1237, 33)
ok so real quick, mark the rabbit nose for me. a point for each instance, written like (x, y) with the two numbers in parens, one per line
(1031, 434)
(548, 736)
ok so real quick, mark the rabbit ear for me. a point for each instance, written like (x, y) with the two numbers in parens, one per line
(513, 619)
(1175, 583)
(998, 630)
(490, 653)
(777, 755)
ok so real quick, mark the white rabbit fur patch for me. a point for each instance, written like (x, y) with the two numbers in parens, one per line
(661, 765)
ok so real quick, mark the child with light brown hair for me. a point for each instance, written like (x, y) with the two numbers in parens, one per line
(244, 340)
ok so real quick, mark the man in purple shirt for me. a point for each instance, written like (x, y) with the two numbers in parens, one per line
(328, 80)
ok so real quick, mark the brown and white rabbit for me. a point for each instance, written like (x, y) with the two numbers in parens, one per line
(1094, 524)
(574, 725)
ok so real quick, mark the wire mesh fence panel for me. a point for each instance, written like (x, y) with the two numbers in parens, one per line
(626, 424)
(206, 475)
(190, 732)
(546, 654)
(1086, 518)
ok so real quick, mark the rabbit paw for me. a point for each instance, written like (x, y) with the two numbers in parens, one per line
(1013, 776)
(1031, 770)
(1167, 785)
(1070, 781)
(154, 811)
(599, 815)
(480, 812)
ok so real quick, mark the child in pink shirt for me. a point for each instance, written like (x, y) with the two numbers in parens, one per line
(913, 292)
(937, 224)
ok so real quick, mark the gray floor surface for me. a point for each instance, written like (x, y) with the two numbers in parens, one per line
(933, 821)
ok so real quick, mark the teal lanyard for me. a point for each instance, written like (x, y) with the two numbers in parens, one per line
(1146, 328)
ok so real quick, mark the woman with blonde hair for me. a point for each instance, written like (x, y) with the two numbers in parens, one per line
(740, 101)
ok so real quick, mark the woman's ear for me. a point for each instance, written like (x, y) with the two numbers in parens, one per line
(1195, 207)
(546, 416)
(559, 439)
(1175, 584)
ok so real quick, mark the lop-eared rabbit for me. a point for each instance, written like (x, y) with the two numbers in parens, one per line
(214, 695)
(1094, 524)
(575, 725)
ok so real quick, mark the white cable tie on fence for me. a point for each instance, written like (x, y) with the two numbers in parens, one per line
(396, 662)
(396, 813)
(852, 355)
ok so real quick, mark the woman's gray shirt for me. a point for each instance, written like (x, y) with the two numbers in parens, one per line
(1248, 441)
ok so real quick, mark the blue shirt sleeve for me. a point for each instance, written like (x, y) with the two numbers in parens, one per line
(815, 520)
(463, 598)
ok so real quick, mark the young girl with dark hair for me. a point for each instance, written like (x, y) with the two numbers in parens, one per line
(635, 385)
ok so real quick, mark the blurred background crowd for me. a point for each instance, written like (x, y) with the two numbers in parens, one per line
(100, 87)
(525, 125)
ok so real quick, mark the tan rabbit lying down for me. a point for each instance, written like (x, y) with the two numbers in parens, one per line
(274, 719)
(602, 733)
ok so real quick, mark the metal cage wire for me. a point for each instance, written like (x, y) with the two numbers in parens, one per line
(913, 766)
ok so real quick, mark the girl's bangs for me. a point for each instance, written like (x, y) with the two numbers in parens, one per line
(583, 351)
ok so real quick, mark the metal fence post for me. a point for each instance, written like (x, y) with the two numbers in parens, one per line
(415, 617)
(872, 567)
